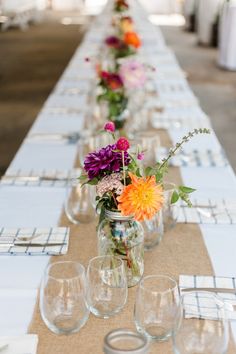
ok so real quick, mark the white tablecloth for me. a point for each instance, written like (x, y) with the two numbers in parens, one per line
(227, 48)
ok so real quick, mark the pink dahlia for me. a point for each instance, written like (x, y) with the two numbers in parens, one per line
(133, 74)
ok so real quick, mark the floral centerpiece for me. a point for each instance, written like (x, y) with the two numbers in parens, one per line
(127, 193)
(115, 87)
(123, 46)
(120, 6)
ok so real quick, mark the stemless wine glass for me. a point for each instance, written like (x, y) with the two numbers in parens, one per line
(150, 142)
(79, 206)
(157, 307)
(92, 142)
(204, 326)
(170, 211)
(63, 304)
(153, 231)
(107, 285)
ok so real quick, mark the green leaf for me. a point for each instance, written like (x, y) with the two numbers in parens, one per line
(82, 178)
(148, 171)
(187, 190)
(93, 182)
(174, 197)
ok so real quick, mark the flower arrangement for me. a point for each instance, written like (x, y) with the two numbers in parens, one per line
(122, 183)
(126, 24)
(120, 6)
(112, 92)
(115, 85)
(125, 46)
(126, 194)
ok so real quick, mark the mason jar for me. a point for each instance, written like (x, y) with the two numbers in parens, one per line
(122, 236)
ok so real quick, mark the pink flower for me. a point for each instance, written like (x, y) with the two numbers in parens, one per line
(140, 156)
(133, 74)
(109, 127)
(122, 144)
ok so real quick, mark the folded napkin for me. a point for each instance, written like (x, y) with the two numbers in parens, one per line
(199, 306)
(208, 211)
(25, 344)
(34, 241)
(39, 177)
(195, 158)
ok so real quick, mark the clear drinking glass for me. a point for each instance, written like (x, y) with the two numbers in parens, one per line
(63, 304)
(92, 142)
(120, 341)
(153, 231)
(107, 286)
(157, 307)
(79, 206)
(150, 142)
(170, 211)
(207, 334)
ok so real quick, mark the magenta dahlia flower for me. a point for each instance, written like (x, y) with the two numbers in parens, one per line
(105, 161)
(113, 42)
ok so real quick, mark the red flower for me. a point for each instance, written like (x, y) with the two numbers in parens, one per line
(113, 42)
(122, 144)
(104, 75)
(113, 81)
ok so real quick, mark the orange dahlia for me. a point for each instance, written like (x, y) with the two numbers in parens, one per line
(131, 38)
(143, 198)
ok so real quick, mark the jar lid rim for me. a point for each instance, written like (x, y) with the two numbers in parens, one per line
(116, 215)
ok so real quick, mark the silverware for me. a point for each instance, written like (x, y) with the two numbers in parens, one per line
(34, 178)
(71, 138)
(214, 290)
(29, 244)
(62, 110)
(200, 206)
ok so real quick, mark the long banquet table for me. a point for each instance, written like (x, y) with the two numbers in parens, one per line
(187, 249)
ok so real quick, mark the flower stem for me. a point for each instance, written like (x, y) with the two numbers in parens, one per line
(123, 163)
(114, 198)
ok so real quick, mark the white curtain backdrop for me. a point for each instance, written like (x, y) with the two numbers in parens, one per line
(161, 6)
(207, 12)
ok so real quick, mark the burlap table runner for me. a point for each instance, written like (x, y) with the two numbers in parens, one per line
(182, 251)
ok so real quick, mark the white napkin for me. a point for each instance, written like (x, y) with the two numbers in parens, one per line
(25, 344)
(208, 211)
(200, 306)
(28, 237)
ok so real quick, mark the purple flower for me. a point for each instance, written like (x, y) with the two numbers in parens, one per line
(140, 156)
(113, 42)
(105, 161)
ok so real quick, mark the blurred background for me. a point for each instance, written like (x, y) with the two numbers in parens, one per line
(38, 38)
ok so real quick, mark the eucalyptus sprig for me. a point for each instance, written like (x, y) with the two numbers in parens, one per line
(160, 169)
(184, 140)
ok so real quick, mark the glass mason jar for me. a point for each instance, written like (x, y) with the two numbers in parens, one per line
(122, 236)
(119, 117)
(122, 340)
(153, 231)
